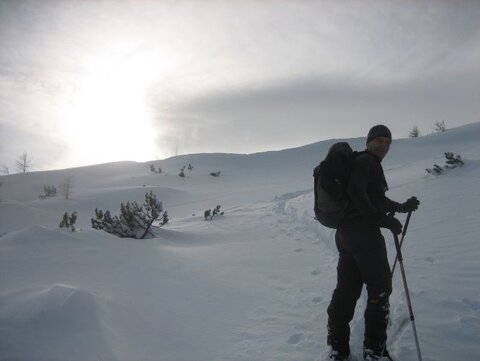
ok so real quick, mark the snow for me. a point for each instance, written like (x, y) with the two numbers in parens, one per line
(250, 285)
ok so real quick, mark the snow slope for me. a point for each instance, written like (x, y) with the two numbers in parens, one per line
(250, 285)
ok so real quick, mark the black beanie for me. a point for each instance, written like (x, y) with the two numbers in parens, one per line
(379, 131)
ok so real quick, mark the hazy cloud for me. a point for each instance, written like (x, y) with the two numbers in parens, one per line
(302, 111)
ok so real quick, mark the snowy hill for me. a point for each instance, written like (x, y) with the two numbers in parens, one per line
(251, 285)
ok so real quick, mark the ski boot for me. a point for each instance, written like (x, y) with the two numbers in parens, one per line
(334, 355)
(372, 355)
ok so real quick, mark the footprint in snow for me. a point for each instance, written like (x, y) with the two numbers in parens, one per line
(296, 338)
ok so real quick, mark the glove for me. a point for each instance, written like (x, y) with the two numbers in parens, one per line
(392, 224)
(410, 205)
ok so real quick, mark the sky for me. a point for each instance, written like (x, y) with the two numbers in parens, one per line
(100, 81)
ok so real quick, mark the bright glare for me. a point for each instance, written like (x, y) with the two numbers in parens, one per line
(107, 118)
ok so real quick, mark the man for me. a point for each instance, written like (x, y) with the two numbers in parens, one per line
(362, 252)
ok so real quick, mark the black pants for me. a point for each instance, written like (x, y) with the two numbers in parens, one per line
(362, 260)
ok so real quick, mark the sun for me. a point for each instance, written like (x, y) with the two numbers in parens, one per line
(107, 117)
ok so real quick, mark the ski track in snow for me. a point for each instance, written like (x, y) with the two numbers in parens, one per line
(293, 325)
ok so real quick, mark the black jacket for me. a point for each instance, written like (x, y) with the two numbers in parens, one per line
(366, 190)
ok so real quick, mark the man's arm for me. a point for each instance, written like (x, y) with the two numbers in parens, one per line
(410, 205)
(392, 206)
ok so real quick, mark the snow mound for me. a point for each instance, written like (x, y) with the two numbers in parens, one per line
(61, 306)
(51, 323)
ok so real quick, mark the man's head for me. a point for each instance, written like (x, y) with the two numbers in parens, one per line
(379, 139)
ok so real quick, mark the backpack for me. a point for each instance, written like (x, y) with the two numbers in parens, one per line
(330, 184)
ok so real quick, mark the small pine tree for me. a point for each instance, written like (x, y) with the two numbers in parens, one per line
(207, 213)
(414, 133)
(440, 126)
(182, 173)
(217, 211)
(435, 170)
(154, 170)
(164, 219)
(134, 220)
(69, 221)
(48, 191)
(451, 161)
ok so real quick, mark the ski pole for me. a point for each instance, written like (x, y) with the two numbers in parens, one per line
(401, 240)
(407, 294)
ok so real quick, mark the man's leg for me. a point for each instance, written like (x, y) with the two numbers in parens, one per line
(375, 270)
(344, 298)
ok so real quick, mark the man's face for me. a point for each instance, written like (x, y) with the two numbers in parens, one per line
(379, 146)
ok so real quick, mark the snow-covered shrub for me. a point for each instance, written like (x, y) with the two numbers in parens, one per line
(155, 170)
(414, 133)
(209, 214)
(435, 170)
(217, 211)
(451, 161)
(182, 173)
(164, 219)
(69, 221)
(48, 191)
(134, 221)
(440, 126)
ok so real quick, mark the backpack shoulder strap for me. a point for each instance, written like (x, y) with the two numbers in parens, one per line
(356, 153)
